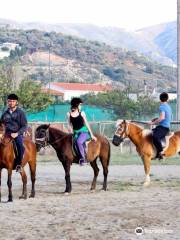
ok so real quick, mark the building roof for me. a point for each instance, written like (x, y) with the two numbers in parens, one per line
(82, 86)
(53, 92)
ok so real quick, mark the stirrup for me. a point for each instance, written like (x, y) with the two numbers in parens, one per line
(82, 162)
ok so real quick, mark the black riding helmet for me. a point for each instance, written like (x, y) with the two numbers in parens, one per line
(75, 102)
(12, 96)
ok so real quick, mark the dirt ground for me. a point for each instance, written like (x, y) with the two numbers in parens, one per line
(114, 214)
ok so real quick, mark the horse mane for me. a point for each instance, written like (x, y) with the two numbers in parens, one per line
(58, 131)
(143, 131)
(136, 125)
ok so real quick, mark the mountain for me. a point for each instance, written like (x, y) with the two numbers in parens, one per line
(157, 42)
(51, 56)
(164, 37)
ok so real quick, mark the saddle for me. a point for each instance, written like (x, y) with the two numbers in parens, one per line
(164, 141)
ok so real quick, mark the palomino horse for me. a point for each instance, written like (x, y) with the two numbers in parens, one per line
(7, 157)
(62, 143)
(144, 145)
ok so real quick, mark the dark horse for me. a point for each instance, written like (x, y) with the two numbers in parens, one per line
(62, 143)
(7, 160)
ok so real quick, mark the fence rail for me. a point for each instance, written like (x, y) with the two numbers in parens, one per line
(106, 128)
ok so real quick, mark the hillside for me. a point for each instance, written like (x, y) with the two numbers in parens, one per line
(46, 56)
(156, 42)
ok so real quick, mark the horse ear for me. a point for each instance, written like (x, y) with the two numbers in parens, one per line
(48, 125)
(124, 121)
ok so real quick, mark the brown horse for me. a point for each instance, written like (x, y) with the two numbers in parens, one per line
(7, 157)
(62, 143)
(142, 139)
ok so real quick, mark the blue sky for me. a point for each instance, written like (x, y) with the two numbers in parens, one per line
(128, 14)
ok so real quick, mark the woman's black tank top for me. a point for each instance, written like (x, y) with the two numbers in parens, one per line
(77, 122)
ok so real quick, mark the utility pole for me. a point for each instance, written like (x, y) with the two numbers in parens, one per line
(178, 61)
(49, 83)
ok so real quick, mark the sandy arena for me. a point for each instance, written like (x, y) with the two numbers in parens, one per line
(114, 214)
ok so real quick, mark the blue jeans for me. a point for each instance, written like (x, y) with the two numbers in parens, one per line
(20, 148)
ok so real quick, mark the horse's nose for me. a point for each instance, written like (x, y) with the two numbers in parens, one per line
(117, 140)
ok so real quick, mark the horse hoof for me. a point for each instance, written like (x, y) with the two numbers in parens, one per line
(66, 193)
(146, 184)
(10, 200)
(31, 195)
(92, 190)
(23, 197)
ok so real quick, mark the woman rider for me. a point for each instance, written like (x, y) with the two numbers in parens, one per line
(79, 125)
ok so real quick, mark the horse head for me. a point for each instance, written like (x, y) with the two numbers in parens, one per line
(42, 136)
(121, 132)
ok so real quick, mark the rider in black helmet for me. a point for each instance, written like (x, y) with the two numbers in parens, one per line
(15, 122)
(78, 124)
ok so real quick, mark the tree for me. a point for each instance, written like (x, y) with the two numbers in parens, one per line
(6, 82)
(122, 105)
(31, 96)
(146, 106)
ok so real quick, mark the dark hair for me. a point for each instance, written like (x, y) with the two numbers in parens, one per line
(75, 102)
(12, 96)
(163, 97)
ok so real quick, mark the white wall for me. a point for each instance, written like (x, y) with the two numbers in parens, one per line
(68, 94)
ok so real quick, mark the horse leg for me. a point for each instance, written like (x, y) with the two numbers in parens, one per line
(9, 183)
(24, 180)
(66, 164)
(105, 172)
(96, 172)
(0, 184)
(147, 161)
(32, 166)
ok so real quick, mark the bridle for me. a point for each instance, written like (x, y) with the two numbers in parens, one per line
(124, 131)
(44, 141)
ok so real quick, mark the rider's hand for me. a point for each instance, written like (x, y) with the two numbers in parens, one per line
(94, 138)
(14, 135)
